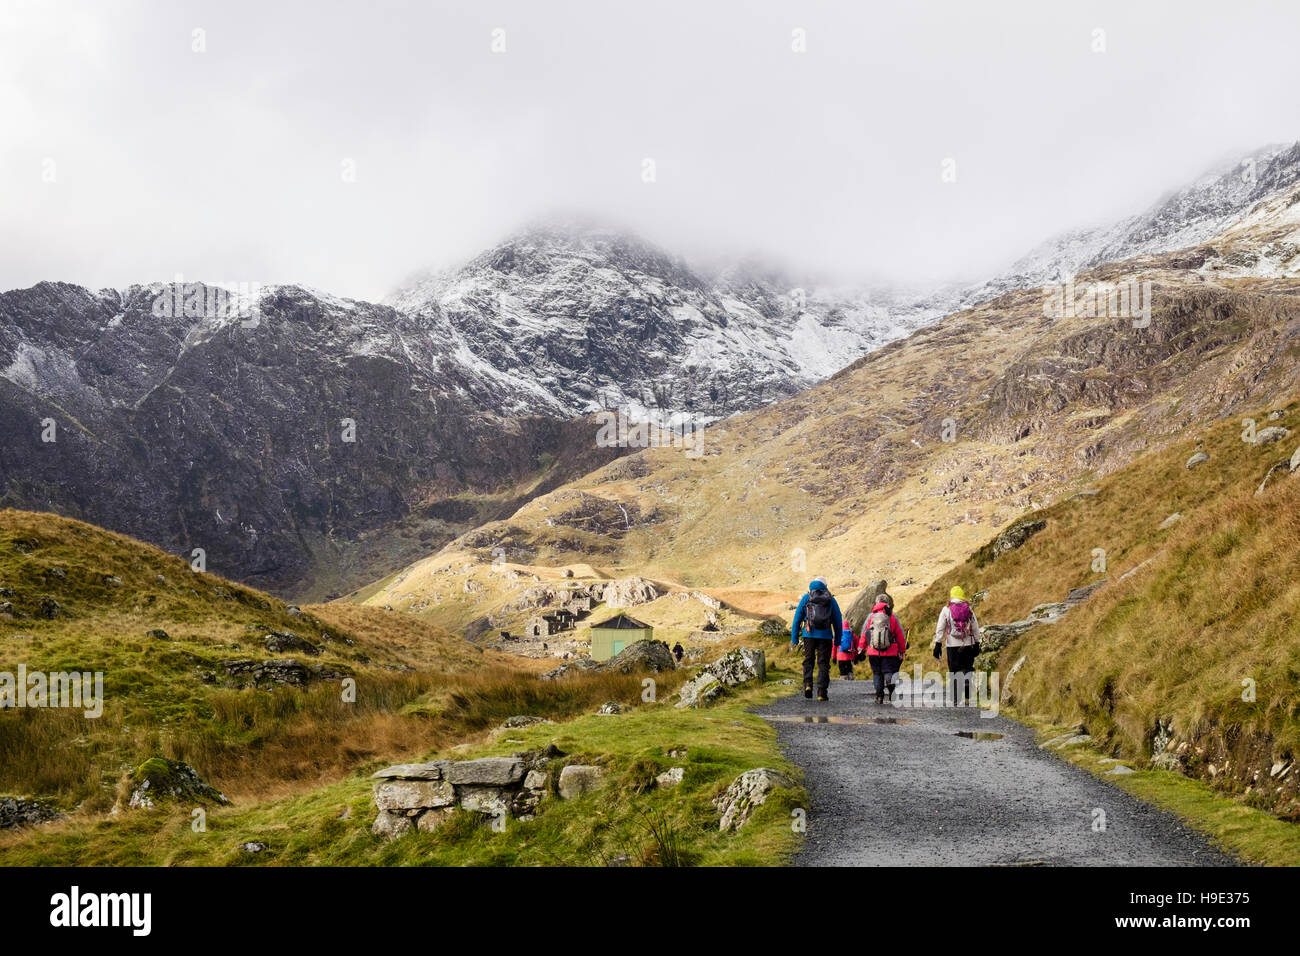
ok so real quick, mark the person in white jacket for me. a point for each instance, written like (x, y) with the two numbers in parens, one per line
(959, 633)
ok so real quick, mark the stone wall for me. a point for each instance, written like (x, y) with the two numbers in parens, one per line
(421, 796)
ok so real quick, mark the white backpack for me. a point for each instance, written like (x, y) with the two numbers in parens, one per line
(881, 636)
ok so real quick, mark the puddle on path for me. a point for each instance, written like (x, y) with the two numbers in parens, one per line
(840, 720)
(976, 735)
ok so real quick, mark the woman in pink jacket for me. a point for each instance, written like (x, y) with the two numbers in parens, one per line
(886, 644)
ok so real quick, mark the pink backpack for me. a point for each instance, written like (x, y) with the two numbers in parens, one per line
(961, 618)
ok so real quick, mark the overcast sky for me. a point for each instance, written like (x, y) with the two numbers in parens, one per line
(230, 164)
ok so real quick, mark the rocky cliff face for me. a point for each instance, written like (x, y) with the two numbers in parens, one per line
(269, 445)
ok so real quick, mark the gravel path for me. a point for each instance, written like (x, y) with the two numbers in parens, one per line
(915, 793)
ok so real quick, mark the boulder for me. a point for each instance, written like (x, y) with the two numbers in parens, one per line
(158, 634)
(577, 779)
(639, 656)
(629, 592)
(280, 642)
(1295, 460)
(1172, 520)
(1015, 536)
(610, 707)
(856, 613)
(1266, 436)
(487, 771)
(746, 793)
(739, 667)
(389, 826)
(1199, 458)
(535, 780)
(414, 794)
(700, 691)
(159, 779)
(522, 720)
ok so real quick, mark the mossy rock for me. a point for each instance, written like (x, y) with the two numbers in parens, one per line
(159, 780)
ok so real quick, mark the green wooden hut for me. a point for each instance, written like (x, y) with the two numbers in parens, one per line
(610, 637)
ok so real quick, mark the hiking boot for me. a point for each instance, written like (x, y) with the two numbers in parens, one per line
(880, 697)
(823, 696)
(807, 693)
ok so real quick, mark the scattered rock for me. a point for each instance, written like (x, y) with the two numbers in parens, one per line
(1295, 460)
(1171, 520)
(49, 608)
(1276, 414)
(1266, 436)
(522, 720)
(670, 777)
(1118, 771)
(746, 793)
(1199, 458)
(610, 707)
(158, 634)
(578, 779)
(293, 610)
(16, 812)
(286, 670)
(253, 846)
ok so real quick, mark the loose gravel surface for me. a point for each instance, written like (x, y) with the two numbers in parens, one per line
(913, 792)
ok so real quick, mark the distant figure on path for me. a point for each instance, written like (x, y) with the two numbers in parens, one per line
(960, 634)
(886, 644)
(819, 615)
(678, 651)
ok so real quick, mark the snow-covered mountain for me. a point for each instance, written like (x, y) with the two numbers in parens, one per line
(1188, 217)
(578, 319)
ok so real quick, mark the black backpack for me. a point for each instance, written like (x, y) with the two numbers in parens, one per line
(818, 613)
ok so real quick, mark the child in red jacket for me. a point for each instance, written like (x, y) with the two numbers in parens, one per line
(846, 651)
(885, 660)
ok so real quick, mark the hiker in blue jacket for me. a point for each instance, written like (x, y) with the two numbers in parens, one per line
(818, 621)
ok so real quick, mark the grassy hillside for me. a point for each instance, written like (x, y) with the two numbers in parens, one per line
(1196, 654)
(159, 633)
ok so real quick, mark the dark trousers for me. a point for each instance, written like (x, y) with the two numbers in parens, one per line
(883, 671)
(846, 668)
(961, 670)
(817, 650)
